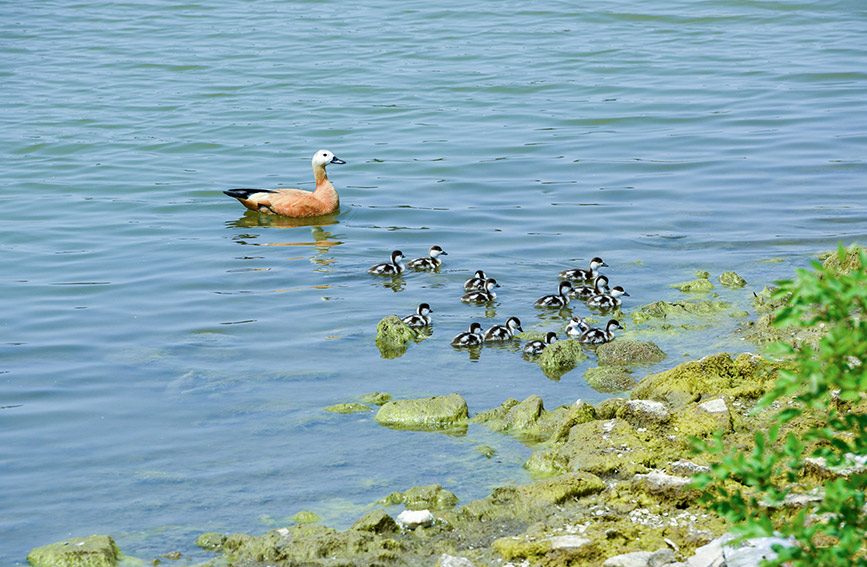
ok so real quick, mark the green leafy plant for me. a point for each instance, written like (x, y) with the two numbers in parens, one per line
(820, 421)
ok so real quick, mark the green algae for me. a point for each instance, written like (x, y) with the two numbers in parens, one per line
(696, 286)
(393, 336)
(211, 541)
(377, 522)
(424, 414)
(680, 310)
(306, 517)
(91, 551)
(610, 379)
(629, 352)
(529, 421)
(732, 279)
(375, 398)
(851, 260)
(348, 408)
(430, 497)
(561, 357)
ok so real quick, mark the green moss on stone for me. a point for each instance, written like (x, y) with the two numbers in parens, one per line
(348, 408)
(211, 541)
(306, 517)
(731, 279)
(699, 285)
(430, 497)
(377, 522)
(629, 352)
(561, 357)
(530, 421)
(393, 336)
(851, 261)
(609, 379)
(667, 311)
(437, 412)
(376, 398)
(92, 551)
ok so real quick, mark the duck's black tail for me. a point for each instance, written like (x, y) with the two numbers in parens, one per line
(245, 193)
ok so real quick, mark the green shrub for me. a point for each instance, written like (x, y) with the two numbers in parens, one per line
(821, 415)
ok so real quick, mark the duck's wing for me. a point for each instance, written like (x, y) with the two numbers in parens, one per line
(288, 202)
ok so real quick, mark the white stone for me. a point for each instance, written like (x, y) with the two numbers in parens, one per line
(749, 553)
(684, 467)
(655, 411)
(634, 559)
(411, 519)
(447, 560)
(660, 480)
(568, 541)
(715, 406)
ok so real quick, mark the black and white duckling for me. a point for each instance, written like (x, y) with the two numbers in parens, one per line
(473, 337)
(584, 275)
(576, 327)
(598, 336)
(476, 282)
(608, 300)
(504, 332)
(484, 295)
(599, 287)
(536, 347)
(389, 268)
(432, 262)
(420, 318)
(560, 300)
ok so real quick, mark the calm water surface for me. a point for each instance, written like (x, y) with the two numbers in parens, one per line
(166, 356)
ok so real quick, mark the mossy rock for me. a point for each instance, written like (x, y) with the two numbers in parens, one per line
(376, 398)
(561, 357)
(393, 336)
(603, 448)
(306, 517)
(699, 420)
(610, 379)
(377, 522)
(211, 541)
(433, 413)
(530, 421)
(629, 352)
(92, 551)
(667, 310)
(731, 279)
(851, 260)
(646, 414)
(430, 497)
(607, 409)
(748, 376)
(348, 408)
(699, 285)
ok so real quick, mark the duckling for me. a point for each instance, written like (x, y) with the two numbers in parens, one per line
(429, 263)
(608, 300)
(561, 300)
(420, 318)
(483, 296)
(476, 282)
(582, 275)
(470, 338)
(295, 202)
(389, 268)
(536, 347)
(600, 286)
(576, 327)
(598, 336)
(504, 332)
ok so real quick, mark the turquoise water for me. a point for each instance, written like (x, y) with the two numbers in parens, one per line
(166, 356)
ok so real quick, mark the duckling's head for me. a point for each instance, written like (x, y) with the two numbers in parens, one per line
(424, 309)
(597, 263)
(491, 283)
(480, 274)
(600, 282)
(515, 324)
(476, 328)
(565, 287)
(325, 157)
(613, 324)
(618, 291)
(550, 337)
(397, 256)
(437, 251)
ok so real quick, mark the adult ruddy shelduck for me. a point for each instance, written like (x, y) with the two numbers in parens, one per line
(295, 202)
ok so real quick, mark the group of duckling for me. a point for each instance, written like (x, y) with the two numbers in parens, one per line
(480, 290)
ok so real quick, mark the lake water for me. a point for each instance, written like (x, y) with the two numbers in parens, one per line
(166, 356)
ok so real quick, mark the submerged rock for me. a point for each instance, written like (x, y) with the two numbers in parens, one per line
(699, 285)
(306, 517)
(92, 551)
(393, 336)
(530, 421)
(731, 279)
(561, 357)
(433, 413)
(629, 352)
(348, 408)
(376, 398)
(609, 379)
(682, 309)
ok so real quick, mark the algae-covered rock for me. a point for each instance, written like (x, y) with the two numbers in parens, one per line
(348, 408)
(629, 352)
(376, 398)
(748, 376)
(561, 357)
(377, 522)
(731, 279)
(432, 496)
(312, 544)
(211, 541)
(530, 421)
(699, 285)
(437, 412)
(92, 551)
(553, 550)
(674, 489)
(607, 409)
(666, 310)
(393, 336)
(701, 420)
(306, 517)
(851, 260)
(644, 413)
(603, 448)
(609, 379)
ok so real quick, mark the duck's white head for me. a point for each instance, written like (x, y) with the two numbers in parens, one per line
(437, 251)
(325, 157)
(613, 324)
(597, 263)
(514, 324)
(476, 328)
(490, 284)
(396, 257)
(601, 283)
(617, 291)
(565, 287)
(424, 309)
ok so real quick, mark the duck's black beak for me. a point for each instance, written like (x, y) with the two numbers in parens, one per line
(336, 160)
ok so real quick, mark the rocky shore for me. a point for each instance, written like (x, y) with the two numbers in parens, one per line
(614, 479)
